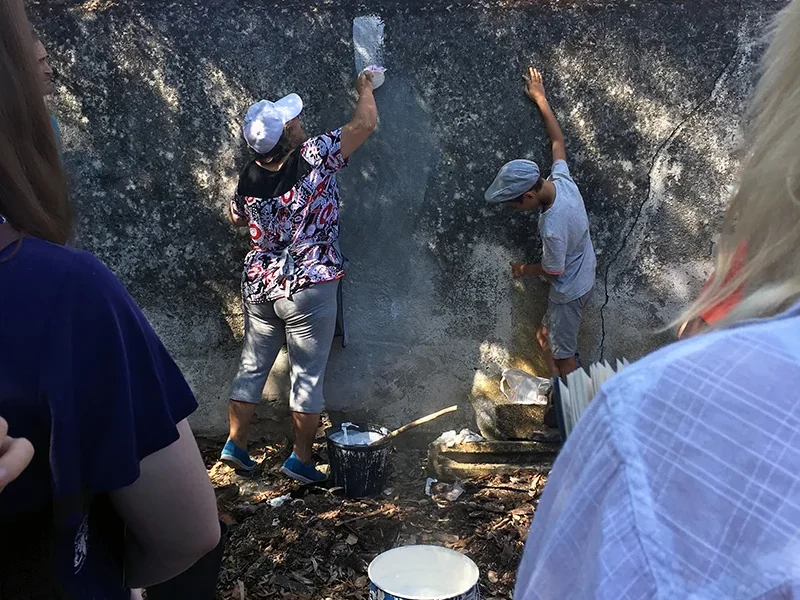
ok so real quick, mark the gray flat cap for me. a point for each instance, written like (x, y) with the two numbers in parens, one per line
(514, 179)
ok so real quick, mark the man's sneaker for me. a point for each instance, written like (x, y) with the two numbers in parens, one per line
(236, 458)
(299, 471)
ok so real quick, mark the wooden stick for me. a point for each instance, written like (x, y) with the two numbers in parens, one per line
(414, 424)
(381, 511)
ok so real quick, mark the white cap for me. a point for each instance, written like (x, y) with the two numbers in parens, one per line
(265, 120)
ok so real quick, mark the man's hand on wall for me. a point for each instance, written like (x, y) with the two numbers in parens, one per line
(518, 269)
(364, 82)
(534, 87)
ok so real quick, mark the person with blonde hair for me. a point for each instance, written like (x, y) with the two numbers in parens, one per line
(117, 494)
(681, 479)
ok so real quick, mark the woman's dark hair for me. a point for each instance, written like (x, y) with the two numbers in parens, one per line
(281, 150)
(33, 191)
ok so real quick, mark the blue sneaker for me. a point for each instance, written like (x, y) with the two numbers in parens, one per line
(236, 458)
(300, 471)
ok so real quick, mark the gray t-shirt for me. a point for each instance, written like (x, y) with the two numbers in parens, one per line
(568, 254)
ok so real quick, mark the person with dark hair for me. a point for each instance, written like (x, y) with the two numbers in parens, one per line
(116, 495)
(288, 197)
(46, 78)
(568, 258)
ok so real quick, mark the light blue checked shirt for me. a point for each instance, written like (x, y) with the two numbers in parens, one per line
(682, 479)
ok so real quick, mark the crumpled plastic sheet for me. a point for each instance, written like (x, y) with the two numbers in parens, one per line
(451, 438)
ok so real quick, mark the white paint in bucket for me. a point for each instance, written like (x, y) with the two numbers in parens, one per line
(355, 438)
(424, 573)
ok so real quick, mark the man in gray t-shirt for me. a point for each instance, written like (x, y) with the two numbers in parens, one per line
(568, 259)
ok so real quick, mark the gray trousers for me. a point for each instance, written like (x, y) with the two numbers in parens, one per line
(563, 321)
(306, 323)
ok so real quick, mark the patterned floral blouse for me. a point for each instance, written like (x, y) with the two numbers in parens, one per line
(293, 216)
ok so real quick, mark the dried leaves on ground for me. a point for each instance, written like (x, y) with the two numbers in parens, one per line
(315, 544)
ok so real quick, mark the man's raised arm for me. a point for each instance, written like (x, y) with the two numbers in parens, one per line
(534, 89)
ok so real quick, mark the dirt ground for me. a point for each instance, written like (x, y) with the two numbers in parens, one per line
(318, 545)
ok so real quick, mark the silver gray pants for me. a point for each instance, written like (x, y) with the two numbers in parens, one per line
(563, 322)
(306, 323)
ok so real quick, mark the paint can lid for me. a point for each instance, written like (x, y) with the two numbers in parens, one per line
(378, 75)
(424, 573)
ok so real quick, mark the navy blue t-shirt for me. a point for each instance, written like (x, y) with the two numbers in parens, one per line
(85, 378)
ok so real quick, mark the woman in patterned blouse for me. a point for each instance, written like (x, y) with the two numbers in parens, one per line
(288, 197)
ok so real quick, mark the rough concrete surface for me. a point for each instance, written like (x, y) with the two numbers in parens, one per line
(651, 96)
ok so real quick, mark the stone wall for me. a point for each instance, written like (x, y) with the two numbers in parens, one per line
(651, 97)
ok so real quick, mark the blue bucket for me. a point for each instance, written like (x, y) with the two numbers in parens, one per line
(423, 573)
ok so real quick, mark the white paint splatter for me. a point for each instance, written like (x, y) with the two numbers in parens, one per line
(368, 41)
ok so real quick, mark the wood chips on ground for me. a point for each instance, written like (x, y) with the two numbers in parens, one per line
(317, 545)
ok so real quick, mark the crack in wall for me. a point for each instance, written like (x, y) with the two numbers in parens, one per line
(654, 162)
